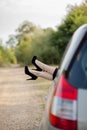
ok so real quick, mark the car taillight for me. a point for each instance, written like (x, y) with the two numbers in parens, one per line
(63, 109)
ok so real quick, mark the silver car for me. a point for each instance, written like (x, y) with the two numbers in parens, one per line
(66, 107)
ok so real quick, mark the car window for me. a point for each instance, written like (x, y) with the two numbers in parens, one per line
(84, 63)
(77, 73)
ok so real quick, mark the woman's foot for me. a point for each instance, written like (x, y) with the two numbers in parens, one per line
(33, 61)
(33, 77)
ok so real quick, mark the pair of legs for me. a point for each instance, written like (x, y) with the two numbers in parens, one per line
(42, 70)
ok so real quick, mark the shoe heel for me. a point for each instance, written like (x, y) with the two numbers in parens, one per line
(33, 77)
(37, 67)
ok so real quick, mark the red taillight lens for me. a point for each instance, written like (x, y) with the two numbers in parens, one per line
(63, 111)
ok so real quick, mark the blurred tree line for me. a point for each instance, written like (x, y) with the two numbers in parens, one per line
(47, 44)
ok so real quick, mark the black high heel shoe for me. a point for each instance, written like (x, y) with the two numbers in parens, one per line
(33, 77)
(33, 61)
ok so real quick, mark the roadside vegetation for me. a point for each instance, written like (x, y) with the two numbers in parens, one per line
(48, 44)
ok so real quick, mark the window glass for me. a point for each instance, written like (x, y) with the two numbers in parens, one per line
(77, 74)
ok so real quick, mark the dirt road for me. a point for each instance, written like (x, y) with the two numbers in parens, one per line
(21, 101)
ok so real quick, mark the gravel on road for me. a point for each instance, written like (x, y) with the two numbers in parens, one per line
(22, 101)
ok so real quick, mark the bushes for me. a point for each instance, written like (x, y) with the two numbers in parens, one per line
(47, 44)
(7, 57)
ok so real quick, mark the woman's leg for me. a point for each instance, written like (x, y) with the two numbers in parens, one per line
(41, 66)
(42, 74)
(35, 74)
(45, 67)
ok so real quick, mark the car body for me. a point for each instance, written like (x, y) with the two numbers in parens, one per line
(66, 107)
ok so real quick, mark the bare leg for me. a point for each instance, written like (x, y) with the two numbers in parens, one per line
(45, 67)
(49, 71)
(42, 74)
(35, 74)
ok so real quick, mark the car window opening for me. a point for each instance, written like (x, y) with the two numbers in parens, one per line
(77, 73)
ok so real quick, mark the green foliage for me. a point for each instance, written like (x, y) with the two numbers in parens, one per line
(47, 44)
(26, 27)
(11, 41)
(41, 47)
(11, 56)
(7, 57)
(23, 52)
(76, 16)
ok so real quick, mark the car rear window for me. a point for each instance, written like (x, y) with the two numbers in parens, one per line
(77, 73)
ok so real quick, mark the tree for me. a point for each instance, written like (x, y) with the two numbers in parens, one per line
(12, 41)
(26, 27)
(76, 16)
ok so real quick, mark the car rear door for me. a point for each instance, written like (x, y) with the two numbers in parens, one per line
(82, 109)
(77, 77)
